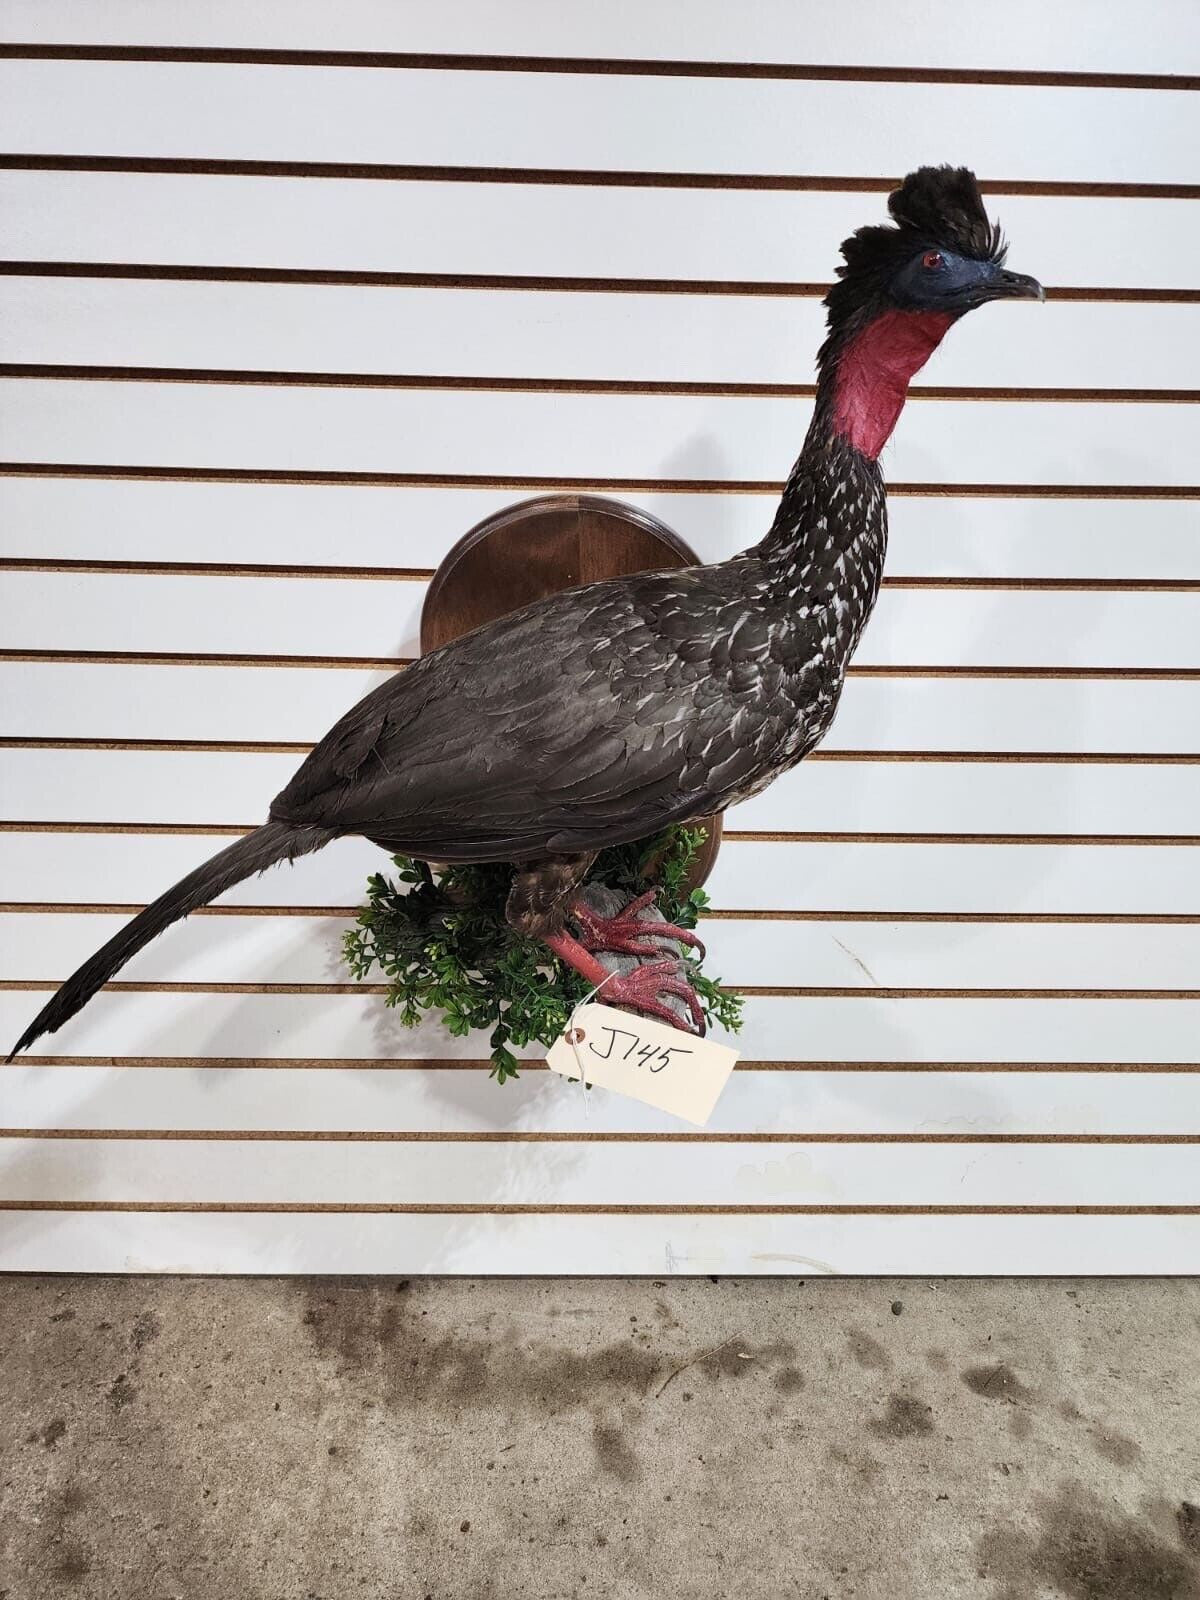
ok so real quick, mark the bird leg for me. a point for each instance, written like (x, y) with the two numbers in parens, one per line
(642, 989)
(538, 904)
(625, 933)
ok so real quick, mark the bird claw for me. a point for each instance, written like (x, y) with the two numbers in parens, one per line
(643, 988)
(626, 934)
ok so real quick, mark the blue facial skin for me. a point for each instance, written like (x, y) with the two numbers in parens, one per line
(957, 283)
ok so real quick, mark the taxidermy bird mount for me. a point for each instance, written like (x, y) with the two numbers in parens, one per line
(609, 711)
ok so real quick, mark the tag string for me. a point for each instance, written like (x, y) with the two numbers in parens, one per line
(572, 1040)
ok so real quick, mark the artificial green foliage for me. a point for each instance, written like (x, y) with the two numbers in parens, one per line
(441, 942)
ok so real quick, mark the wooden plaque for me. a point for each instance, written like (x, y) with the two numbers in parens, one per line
(537, 547)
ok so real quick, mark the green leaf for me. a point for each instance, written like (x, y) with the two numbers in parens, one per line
(442, 943)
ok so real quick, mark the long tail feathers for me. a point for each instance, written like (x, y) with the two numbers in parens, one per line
(274, 841)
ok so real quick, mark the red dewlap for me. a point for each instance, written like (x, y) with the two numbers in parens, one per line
(874, 372)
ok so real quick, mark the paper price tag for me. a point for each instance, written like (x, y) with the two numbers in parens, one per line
(647, 1060)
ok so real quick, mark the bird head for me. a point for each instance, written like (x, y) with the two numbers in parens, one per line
(944, 255)
(899, 289)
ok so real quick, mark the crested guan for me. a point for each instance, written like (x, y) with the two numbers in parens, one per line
(613, 709)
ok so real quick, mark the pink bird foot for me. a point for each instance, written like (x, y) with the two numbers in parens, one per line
(625, 933)
(643, 989)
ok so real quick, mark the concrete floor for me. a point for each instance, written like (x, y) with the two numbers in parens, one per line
(461, 1439)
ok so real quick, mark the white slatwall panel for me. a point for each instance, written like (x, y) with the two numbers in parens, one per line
(578, 436)
(587, 1173)
(910, 794)
(939, 33)
(751, 236)
(838, 954)
(73, 610)
(977, 915)
(600, 122)
(966, 878)
(80, 700)
(854, 1030)
(623, 337)
(288, 525)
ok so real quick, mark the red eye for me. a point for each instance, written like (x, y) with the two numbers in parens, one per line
(932, 259)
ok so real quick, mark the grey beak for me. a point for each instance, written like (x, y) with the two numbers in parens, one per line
(1016, 286)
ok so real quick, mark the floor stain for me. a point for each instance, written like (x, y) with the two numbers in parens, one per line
(246, 1387)
(66, 1557)
(614, 1454)
(122, 1393)
(380, 1342)
(146, 1328)
(1086, 1551)
(905, 1416)
(354, 1323)
(862, 1465)
(377, 1339)
(996, 1381)
(1115, 1447)
(737, 1358)
(50, 1434)
(868, 1352)
(666, 1316)
(1106, 1442)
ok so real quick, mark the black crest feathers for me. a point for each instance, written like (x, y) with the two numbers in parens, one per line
(933, 206)
(943, 204)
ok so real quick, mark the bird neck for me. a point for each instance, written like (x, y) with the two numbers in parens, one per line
(865, 371)
(832, 516)
(829, 536)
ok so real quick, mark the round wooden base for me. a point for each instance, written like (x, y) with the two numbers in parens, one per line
(537, 547)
